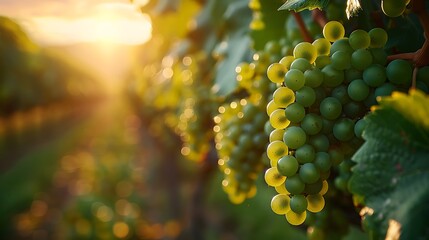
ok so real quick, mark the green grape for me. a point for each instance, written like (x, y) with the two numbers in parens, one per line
(354, 109)
(399, 72)
(305, 96)
(423, 75)
(336, 156)
(344, 129)
(358, 90)
(276, 135)
(341, 94)
(341, 183)
(360, 127)
(422, 86)
(298, 203)
(245, 141)
(333, 31)
(273, 177)
(295, 112)
(322, 161)
(359, 39)
(379, 56)
(287, 165)
(312, 124)
(341, 60)
(361, 59)
(341, 45)
(305, 154)
(301, 64)
(280, 204)
(309, 173)
(330, 108)
(305, 50)
(294, 137)
(313, 78)
(313, 188)
(276, 150)
(283, 96)
(332, 76)
(378, 37)
(328, 125)
(352, 74)
(276, 72)
(315, 202)
(296, 218)
(268, 128)
(322, 61)
(393, 8)
(322, 46)
(384, 90)
(316, 233)
(294, 79)
(287, 61)
(374, 75)
(294, 184)
(320, 142)
(272, 47)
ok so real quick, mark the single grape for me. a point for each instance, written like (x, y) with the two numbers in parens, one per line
(301, 64)
(287, 61)
(276, 135)
(276, 150)
(313, 188)
(423, 75)
(359, 39)
(305, 154)
(384, 90)
(305, 50)
(312, 124)
(313, 77)
(379, 56)
(361, 59)
(296, 218)
(330, 108)
(360, 127)
(271, 107)
(278, 119)
(298, 203)
(324, 189)
(322, 61)
(294, 79)
(281, 189)
(294, 184)
(305, 96)
(320, 142)
(315, 203)
(333, 31)
(273, 177)
(309, 173)
(374, 75)
(358, 90)
(294, 137)
(344, 129)
(283, 96)
(322, 45)
(378, 37)
(399, 72)
(393, 8)
(336, 155)
(341, 94)
(276, 72)
(341, 60)
(280, 204)
(341, 45)
(332, 76)
(322, 161)
(295, 112)
(288, 165)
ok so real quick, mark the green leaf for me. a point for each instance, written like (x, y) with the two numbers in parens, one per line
(392, 170)
(299, 5)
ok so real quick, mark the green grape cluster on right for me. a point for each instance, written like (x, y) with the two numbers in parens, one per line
(324, 91)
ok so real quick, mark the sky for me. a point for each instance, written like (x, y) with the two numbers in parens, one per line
(63, 22)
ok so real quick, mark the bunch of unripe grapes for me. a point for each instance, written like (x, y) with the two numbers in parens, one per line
(325, 90)
(195, 124)
(240, 143)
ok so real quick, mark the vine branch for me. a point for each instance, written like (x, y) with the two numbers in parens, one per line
(319, 17)
(302, 27)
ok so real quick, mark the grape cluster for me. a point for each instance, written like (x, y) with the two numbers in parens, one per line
(240, 142)
(325, 89)
(196, 122)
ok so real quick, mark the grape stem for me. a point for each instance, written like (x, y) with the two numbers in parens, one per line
(319, 17)
(302, 27)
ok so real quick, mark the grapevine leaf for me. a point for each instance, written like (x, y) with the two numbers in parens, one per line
(299, 5)
(392, 170)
